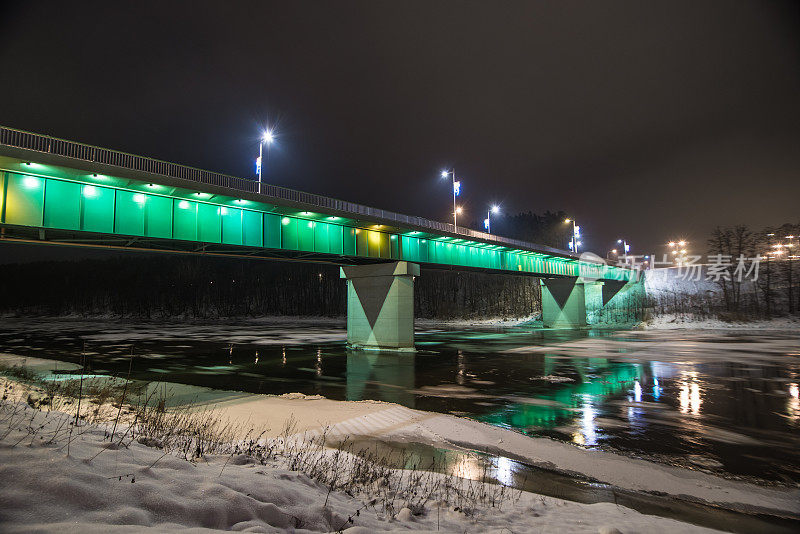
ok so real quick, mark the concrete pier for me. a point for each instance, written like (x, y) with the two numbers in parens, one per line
(380, 305)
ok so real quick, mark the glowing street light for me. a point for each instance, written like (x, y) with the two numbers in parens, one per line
(576, 233)
(487, 223)
(626, 247)
(267, 137)
(456, 192)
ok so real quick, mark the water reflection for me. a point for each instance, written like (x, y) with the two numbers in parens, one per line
(690, 393)
(742, 413)
(588, 432)
(388, 377)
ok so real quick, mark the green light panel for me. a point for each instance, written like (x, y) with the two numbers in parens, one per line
(68, 205)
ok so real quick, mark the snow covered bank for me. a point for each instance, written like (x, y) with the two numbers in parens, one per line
(672, 321)
(498, 322)
(389, 422)
(118, 485)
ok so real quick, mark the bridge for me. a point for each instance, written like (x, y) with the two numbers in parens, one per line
(64, 192)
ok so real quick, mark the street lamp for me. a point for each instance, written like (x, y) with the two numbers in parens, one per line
(576, 233)
(678, 250)
(625, 247)
(456, 192)
(488, 221)
(267, 137)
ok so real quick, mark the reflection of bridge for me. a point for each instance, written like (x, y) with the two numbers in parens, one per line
(392, 378)
(559, 405)
(57, 191)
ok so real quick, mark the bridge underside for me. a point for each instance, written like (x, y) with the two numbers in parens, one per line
(579, 302)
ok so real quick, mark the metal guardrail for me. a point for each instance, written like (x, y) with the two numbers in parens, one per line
(52, 145)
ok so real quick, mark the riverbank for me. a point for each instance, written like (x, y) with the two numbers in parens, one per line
(688, 321)
(101, 485)
(339, 421)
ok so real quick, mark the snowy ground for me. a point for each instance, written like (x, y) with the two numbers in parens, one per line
(676, 322)
(49, 490)
(126, 486)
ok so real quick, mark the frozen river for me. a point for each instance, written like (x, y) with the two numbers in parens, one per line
(721, 401)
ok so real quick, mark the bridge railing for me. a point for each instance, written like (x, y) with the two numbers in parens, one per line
(52, 145)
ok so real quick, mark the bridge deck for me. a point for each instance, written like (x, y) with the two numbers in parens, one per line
(61, 191)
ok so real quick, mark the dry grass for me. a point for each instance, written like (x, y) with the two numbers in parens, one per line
(192, 433)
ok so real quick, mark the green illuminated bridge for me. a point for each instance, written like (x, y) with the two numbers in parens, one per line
(58, 191)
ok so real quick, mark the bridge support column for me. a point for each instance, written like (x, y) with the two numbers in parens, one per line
(380, 305)
(563, 303)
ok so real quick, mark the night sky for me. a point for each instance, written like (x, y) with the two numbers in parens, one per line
(645, 120)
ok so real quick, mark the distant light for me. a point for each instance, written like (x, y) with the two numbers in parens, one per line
(459, 210)
(682, 243)
(619, 240)
(495, 209)
(568, 220)
(683, 251)
(393, 237)
(267, 137)
(445, 174)
(671, 243)
(333, 218)
(613, 250)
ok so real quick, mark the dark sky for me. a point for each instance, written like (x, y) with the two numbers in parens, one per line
(646, 120)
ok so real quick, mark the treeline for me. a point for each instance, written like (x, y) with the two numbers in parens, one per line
(764, 285)
(207, 287)
(775, 291)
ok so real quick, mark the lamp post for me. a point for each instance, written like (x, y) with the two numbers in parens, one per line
(678, 251)
(456, 192)
(576, 233)
(267, 138)
(625, 248)
(488, 222)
